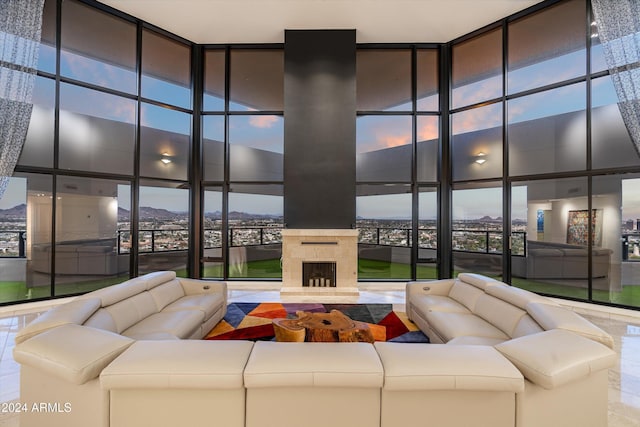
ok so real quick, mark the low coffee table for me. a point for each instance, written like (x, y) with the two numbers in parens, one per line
(334, 326)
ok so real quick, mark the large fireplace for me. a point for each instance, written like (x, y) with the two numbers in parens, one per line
(321, 261)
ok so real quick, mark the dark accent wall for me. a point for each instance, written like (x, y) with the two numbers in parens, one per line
(320, 129)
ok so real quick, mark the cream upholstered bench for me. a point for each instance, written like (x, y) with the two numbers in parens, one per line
(313, 385)
(173, 383)
(447, 386)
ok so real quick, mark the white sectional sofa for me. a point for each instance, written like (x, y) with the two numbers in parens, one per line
(563, 357)
(110, 359)
(63, 351)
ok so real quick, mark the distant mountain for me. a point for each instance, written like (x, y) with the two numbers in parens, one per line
(487, 218)
(147, 213)
(16, 212)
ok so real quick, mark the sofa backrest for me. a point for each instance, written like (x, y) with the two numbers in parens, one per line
(166, 293)
(468, 287)
(125, 304)
(122, 315)
(73, 312)
(478, 280)
(499, 313)
(551, 316)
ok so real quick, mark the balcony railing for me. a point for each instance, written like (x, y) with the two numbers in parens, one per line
(13, 242)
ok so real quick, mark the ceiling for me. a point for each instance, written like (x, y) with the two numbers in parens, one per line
(375, 21)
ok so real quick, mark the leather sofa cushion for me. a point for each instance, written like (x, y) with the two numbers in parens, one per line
(132, 310)
(183, 365)
(73, 353)
(208, 304)
(426, 303)
(526, 326)
(102, 319)
(166, 293)
(157, 278)
(478, 280)
(116, 293)
(554, 358)
(284, 364)
(516, 296)
(182, 324)
(556, 317)
(467, 340)
(499, 313)
(451, 325)
(465, 294)
(443, 367)
(73, 312)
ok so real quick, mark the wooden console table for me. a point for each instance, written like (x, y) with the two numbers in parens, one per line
(321, 327)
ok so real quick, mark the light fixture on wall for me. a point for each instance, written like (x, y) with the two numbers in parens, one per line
(165, 158)
(480, 158)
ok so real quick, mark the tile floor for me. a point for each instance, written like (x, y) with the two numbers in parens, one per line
(623, 325)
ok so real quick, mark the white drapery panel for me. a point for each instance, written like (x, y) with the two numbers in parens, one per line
(618, 25)
(20, 29)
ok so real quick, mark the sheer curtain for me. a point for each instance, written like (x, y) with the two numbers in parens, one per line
(20, 29)
(618, 23)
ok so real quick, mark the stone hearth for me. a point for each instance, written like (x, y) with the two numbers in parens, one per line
(321, 245)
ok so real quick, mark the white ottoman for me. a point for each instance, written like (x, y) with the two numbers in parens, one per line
(313, 385)
(178, 383)
(446, 386)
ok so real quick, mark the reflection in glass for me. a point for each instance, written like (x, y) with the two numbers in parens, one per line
(25, 243)
(256, 82)
(212, 233)
(477, 143)
(477, 69)
(93, 226)
(163, 239)
(106, 58)
(257, 145)
(428, 145)
(477, 229)
(549, 234)
(598, 62)
(383, 219)
(427, 233)
(47, 52)
(164, 142)
(427, 80)
(383, 148)
(547, 47)
(166, 70)
(214, 64)
(97, 130)
(611, 145)
(38, 146)
(547, 131)
(255, 225)
(618, 200)
(213, 147)
(383, 80)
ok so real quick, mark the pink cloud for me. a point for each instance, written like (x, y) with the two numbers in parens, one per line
(263, 121)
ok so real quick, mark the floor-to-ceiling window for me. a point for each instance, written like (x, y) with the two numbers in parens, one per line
(397, 148)
(477, 154)
(242, 164)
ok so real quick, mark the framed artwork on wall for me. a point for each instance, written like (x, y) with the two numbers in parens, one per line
(577, 227)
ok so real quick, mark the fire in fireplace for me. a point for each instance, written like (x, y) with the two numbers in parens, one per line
(319, 274)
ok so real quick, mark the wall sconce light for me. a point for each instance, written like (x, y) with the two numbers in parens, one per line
(165, 158)
(480, 158)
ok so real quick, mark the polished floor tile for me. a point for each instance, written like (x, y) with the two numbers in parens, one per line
(624, 326)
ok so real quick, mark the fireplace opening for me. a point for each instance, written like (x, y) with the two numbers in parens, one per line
(319, 274)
